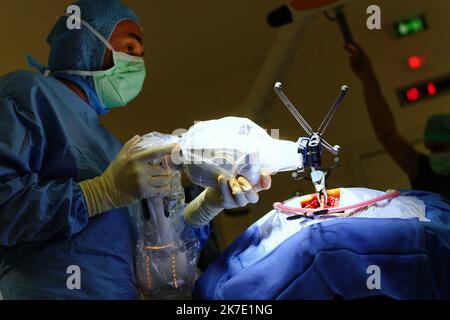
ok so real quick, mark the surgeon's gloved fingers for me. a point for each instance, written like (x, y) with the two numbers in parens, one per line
(157, 170)
(128, 179)
(159, 181)
(239, 196)
(226, 193)
(154, 153)
(265, 182)
(129, 145)
(234, 185)
(167, 163)
(250, 192)
(244, 184)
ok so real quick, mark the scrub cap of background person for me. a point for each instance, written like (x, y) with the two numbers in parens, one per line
(80, 49)
(438, 128)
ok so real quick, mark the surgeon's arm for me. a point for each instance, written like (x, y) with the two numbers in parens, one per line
(380, 114)
(32, 209)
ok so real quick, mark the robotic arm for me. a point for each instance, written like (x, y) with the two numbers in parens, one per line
(311, 147)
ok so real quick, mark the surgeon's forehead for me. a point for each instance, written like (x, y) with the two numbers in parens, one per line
(129, 28)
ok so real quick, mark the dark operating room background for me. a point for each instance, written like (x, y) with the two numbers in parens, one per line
(204, 57)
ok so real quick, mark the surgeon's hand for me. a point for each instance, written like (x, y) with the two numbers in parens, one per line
(360, 62)
(129, 178)
(229, 194)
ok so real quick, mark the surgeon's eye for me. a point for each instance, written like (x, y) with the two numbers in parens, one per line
(133, 50)
(132, 47)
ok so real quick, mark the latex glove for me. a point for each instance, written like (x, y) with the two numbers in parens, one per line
(129, 178)
(229, 194)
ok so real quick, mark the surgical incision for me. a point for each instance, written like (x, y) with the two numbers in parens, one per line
(311, 201)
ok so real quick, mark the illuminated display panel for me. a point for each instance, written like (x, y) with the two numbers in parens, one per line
(424, 90)
(410, 26)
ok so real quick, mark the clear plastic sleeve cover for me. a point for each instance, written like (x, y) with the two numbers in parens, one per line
(167, 250)
(234, 146)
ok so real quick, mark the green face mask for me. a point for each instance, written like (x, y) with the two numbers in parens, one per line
(117, 86)
(122, 83)
(440, 163)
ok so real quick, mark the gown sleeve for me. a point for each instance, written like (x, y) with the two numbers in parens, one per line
(32, 209)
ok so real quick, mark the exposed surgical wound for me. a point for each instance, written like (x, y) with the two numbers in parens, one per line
(358, 202)
(275, 228)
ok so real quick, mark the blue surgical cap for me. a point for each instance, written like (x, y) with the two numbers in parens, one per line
(80, 49)
(438, 128)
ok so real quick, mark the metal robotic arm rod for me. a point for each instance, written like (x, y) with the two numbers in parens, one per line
(312, 146)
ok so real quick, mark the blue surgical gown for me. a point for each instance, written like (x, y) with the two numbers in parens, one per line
(50, 140)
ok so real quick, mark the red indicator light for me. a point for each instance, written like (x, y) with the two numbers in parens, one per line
(416, 62)
(412, 94)
(431, 89)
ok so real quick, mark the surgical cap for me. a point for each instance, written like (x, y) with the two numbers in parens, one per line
(80, 49)
(438, 128)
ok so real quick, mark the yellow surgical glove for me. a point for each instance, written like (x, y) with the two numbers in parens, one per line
(229, 194)
(128, 179)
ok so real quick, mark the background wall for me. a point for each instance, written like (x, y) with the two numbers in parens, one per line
(204, 56)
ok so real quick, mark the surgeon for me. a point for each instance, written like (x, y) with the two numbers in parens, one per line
(430, 173)
(66, 183)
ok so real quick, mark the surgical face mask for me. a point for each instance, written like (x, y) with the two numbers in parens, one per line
(440, 163)
(117, 86)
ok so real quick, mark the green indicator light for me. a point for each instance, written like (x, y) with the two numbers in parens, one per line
(403, 29)
(410, 26)
(417, 25)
